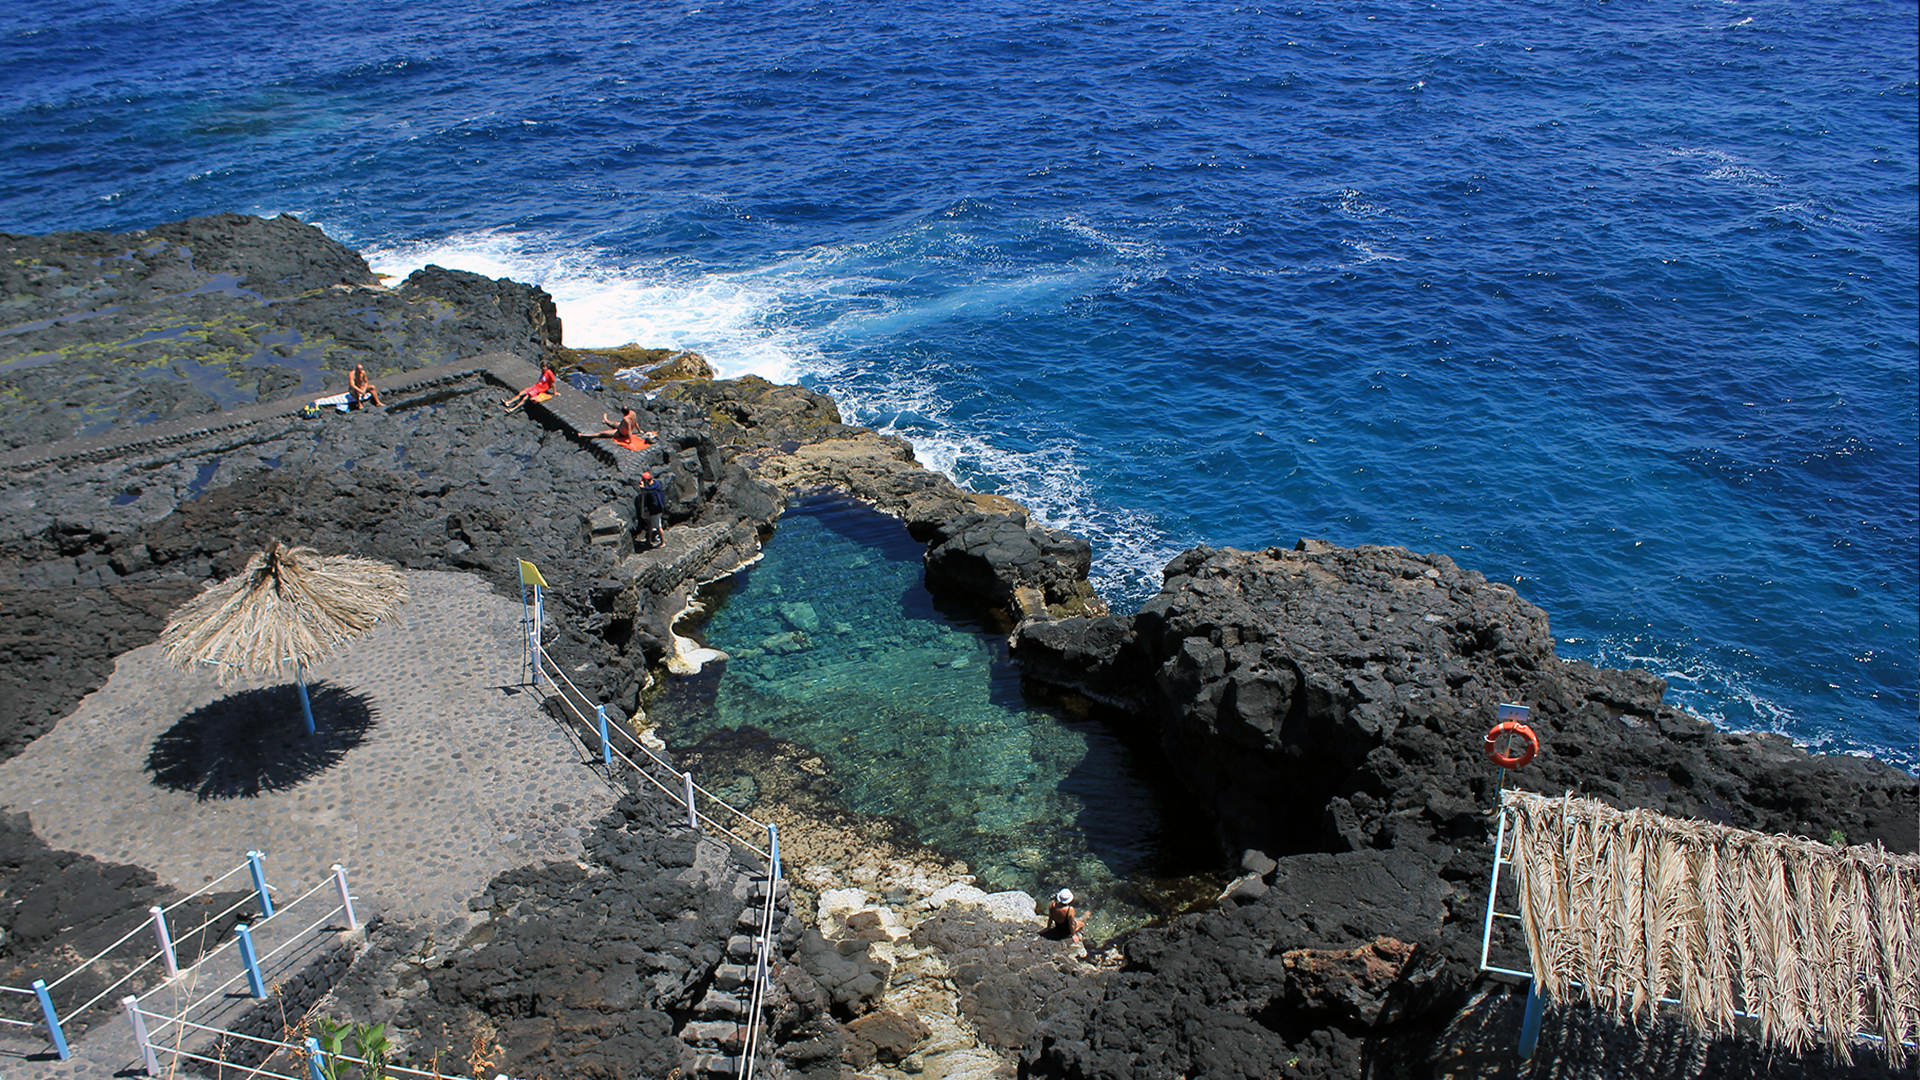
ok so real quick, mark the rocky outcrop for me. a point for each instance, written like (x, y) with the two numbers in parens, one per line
(1013, 564)
(487, 314)
(1329, 704)
(1327, 698)
(981, 550)
(234, 310)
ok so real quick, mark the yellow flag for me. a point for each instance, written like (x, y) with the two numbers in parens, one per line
(530, 574)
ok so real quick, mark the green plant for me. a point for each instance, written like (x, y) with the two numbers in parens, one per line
(1837, 838)
(332, 1037)
(369, 1042)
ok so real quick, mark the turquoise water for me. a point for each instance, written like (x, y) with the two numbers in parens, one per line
(836, 646)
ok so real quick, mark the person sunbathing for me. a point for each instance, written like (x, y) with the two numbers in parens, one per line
(539, 391)
(626, 432)
(360, 388)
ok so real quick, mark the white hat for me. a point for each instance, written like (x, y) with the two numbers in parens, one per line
(1064, 896)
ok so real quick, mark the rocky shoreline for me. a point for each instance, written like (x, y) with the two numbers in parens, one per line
(1327, 703)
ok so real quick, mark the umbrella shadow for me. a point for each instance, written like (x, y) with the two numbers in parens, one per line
(255, 741)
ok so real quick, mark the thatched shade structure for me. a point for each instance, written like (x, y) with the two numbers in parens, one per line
(1623, 908)
(289, 607)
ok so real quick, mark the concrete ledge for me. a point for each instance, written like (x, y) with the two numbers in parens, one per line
(569, 410)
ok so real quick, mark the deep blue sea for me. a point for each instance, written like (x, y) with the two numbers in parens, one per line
(1612, 301)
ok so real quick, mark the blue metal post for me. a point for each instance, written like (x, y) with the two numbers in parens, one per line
(306, 704)
(260, 882)
(53, 1019)
(773, 854)
(316, 1060)
(1530, 1026)
(606, 748)
(248, 957)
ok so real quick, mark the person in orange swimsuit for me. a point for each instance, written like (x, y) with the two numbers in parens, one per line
(537, 390)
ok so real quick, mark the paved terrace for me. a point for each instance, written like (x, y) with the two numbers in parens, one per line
(459, 775)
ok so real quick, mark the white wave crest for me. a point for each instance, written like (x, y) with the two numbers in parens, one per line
(1129, 546)
(800, 314)
(605, 302)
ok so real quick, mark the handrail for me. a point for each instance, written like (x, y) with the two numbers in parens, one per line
(143, 925)
(656, 759)
(762, 969)
(763, 949)
(390, 1068)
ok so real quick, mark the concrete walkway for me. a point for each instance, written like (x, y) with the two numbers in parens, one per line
(460, 776)
(569, 409)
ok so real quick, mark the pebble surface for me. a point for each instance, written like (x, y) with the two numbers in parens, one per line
(462, 774)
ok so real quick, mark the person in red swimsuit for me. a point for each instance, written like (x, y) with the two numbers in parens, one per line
(539, 389)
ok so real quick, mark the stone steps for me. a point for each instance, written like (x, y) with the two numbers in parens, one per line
(716, 1033)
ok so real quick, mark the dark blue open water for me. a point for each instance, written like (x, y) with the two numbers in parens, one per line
(1613, 301)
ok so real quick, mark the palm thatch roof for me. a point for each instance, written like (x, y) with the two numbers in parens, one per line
(290, 606)
(1626, 907)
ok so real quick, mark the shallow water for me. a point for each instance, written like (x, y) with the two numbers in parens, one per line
(837, 646)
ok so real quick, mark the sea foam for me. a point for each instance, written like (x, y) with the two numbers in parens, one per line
(604, 302)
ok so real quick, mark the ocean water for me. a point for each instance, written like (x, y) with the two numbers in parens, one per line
(1615, 302)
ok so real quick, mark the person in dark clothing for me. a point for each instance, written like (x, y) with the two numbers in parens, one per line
(653, 509)
(1062, 920)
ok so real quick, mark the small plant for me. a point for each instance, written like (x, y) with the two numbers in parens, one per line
(369, 1042)
(1837, 838)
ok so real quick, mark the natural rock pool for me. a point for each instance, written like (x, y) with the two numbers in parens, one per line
(918, 716)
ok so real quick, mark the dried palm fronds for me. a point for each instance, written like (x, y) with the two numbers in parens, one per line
(1627, 908)
(290, 606)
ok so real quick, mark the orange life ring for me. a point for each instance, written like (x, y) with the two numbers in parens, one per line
(1512, 760)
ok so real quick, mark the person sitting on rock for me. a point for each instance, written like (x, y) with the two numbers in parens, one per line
(539, 391)
(360, 388)
(1062, 920)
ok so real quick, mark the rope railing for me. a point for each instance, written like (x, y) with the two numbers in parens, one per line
(658, 762)
(143, 924)
(539, 664)
(55, 1020)
(310, 1051)
(251, 963)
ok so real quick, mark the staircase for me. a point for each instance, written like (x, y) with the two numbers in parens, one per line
(716, 1034)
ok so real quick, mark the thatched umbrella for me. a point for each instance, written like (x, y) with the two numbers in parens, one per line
(289, 606)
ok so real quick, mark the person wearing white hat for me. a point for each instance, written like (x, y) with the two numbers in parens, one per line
(1062, 920)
